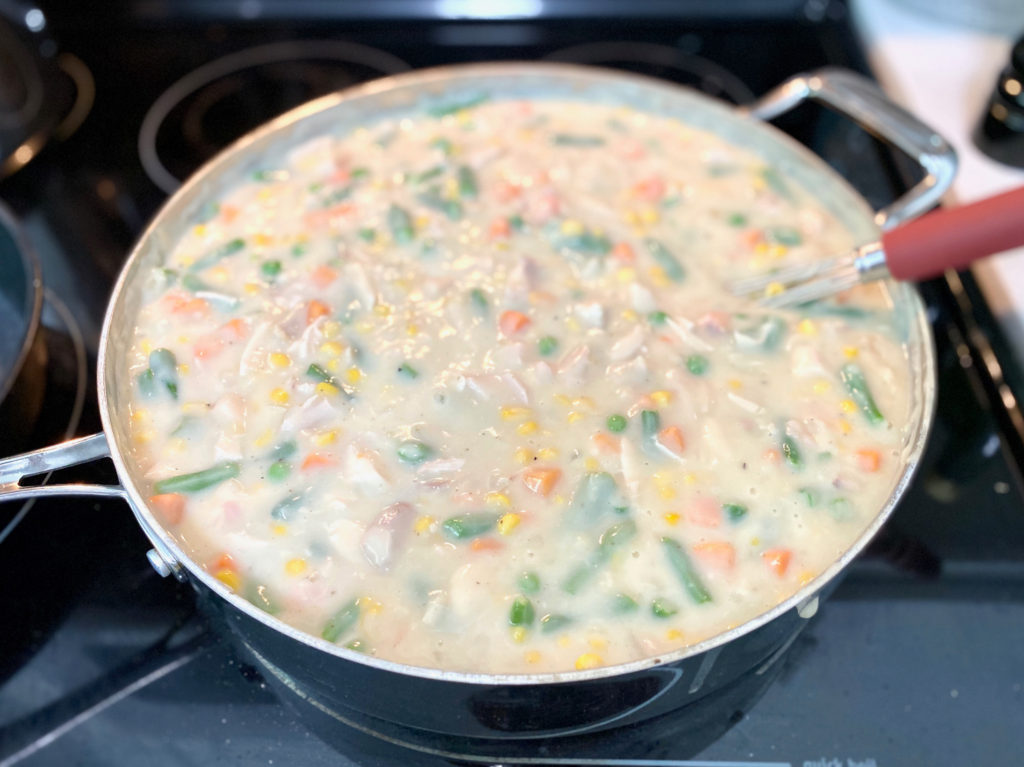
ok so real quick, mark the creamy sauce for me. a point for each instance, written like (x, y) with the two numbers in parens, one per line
(465, 391)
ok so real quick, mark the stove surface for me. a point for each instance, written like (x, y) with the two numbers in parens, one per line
(915, 659)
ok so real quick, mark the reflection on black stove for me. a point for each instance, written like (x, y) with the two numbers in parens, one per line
(222, 100)
(660, 61)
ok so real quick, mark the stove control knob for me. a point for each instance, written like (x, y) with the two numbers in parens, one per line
(1000, 134)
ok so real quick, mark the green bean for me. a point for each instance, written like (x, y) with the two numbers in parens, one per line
(479, 299)
(521, 613)
(775, 183)
(469, 526)
(229, 248)
(529, 582)
(650, 423)
(299, 249)
(427, 175)
(763, 334)
(146, 382)
(791, 451)
(657, 317)
(434, 199)
(367, 234)
(736, 219)
(810, 495)
(615, 536)
(198, 480)
(317, 372)
(259, 595)
(684, 570)
(664, 258)
(586, 242)
(573, 139)
(857, 386)
(785, 235)
(358, 645)
(443, 110)
(623, 603)
(285, 449)
(270, 269)
(516, 222)
(663, 608)
(547, 346)
(734, 511)
(286, 509)
(165, 369)
(358, 173)
(697, 364)
(405, 370)
(400, 224)
(413, 451)
(554, 622)
(840, 509)
(595, 496)
(468, 187)
(616, 423)
(341, 621)
(443, 144)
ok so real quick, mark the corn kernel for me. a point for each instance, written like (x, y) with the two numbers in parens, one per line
(364, 326)
(508, 522)
(264, 439)
(586, 402)
(184, 368)
(844, 426)
(278, 529)
(279, 360)
(821, 386)
(672, 518)
(527, 427)
(261, 240)
(514, 413)
(145, 346)
(412, 329)
(657, 275)
(326, 389)
(650, 216)
(498, 500)
(850, 351)
(588, 660)
(761, 249)
(184, 339)
(295, 566)
(325, 438)
(523, 456)
(773, 289)
(591, 464)
(573, 324)
(735, 384)
(806, 577)
(144, 437)
(199, 230)
(807, 327)
(558, 500)
(758, 183)
(631, 217)
(279, 396)
(532, 656)
(218, 274)
(848, 406)
(572, 227)
(625, 274)
(598, 643)
(251, 288)
(547, 453)
(673, 635)
(370, 605)
(690, 478)
(330, 329)
(755, 541)
(561, 399)
(333, 365)
(564, 641)
(574, 416)
(423, 523)
(140, 416)
(229, 578)
(661, 397)
(519, 634)
(331, 348)
(382, 310)
(777, 251)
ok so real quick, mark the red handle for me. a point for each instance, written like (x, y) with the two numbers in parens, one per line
(953, 238)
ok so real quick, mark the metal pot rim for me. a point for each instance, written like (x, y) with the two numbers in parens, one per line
(33, 292)
(422, 80)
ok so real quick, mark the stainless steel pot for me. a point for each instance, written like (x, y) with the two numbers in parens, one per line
(504, 710)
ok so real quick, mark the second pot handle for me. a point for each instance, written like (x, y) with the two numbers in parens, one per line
(863, 102)
(60, 456)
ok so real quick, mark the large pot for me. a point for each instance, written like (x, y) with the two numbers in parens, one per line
(507, 711)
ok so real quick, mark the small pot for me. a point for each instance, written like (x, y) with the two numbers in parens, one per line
(492, 713)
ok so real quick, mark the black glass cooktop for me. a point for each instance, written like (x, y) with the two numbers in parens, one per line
(915, 659)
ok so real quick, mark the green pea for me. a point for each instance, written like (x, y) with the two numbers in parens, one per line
(616, 423)
(412, 451)
(554, 622)
(400, 224)
(479, 299)
(468, 526)
(278, 471)
(697, 364)
(734, 511)
(547, 345)
(270, 269)
(623, 603)
(405, 370)
(657, 317)
(521, 613)
(367, 234)
(529, 582)
(736, 219)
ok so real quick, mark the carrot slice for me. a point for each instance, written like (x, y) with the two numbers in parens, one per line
(323, 276)
(671, 438)
(719, 555)
(207, 346)
(651, 189)
(751, 237)
(868, 460)
(317, 461)
(605, 443)
(228, 213)
(511, 322)
(704, 512)
(234, 330)
(486, 544)
(316, 309)
(170, 506)
(499, 229)
(624, 252)
(541, 480)
(777, 560)
(224, 562)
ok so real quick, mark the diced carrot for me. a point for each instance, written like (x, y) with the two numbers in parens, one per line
(630, 148)
(170, 506)
(486, 544)
(650, 189)
(714, 321)
(318, 219)
(511, 322)
(228, 213)
(499, 229)
(207, 346)
(772, 455)
(541, 480)
(341, 174)
(624, 252)
(751, 237)
(507, 191)
(224, 562)
(671, 438)
(323, 276)
(777, 560)
(234, 330)
(718, 555)
(182, 304)
(704, 512)
(317, 461)
(605, 443)
(316, 309)
(868, 460)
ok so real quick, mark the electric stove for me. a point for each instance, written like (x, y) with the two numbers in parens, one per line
(916, 657)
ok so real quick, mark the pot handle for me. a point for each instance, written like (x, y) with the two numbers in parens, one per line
(60, 456)
(858, 98)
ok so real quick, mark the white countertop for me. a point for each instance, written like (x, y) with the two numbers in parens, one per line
(944, 73)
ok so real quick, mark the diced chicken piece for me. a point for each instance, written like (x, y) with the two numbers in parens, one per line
(346, 537)
(358, 284)
(315, 412)
(573, 366)
(506, 357)
(363, 472)
(807, 362)
(634, 371)
(744, 404)
(229, 414)
(641, 298)
(228, 448)
(683, 329)
(628, 345)
(590, 314)
(384, 537)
